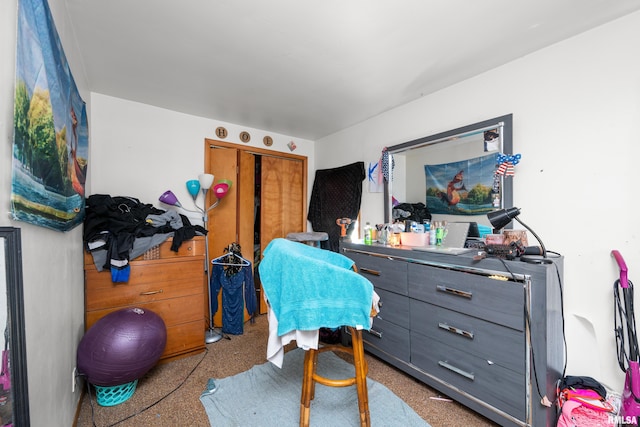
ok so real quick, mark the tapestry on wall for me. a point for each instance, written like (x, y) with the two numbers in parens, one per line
(464, 187)
(50, 143)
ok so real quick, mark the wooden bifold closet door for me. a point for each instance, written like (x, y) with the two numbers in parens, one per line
(281, 200)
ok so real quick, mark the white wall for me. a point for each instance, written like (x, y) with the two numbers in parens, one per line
(52, 261)
(141, 151)
(576, 110)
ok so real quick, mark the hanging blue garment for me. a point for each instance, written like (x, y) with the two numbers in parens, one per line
(238, 290)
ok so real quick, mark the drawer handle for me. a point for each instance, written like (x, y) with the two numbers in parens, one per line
(375, 333)
(151, 292)
(455, 330)
(369, 271)
(453, 291)
(458, 371)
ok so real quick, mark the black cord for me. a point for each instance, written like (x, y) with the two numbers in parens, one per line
(564, 335)
(625, 325)
(148, 406)
(528, 322)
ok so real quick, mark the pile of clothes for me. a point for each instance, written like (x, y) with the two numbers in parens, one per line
(120, 228)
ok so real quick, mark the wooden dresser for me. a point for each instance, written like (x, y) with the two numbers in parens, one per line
(171, 284)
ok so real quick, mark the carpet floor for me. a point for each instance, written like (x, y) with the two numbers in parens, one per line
(169, 395)
(268, 396)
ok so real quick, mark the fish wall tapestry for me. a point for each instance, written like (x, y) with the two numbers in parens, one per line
(50, 142)
(462, 188)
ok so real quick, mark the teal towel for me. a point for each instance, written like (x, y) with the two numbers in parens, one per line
(309, 288)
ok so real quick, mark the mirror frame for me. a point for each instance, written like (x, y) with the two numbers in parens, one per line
(454, 135)
(11, 240)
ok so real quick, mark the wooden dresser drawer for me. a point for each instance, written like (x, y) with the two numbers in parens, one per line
(182, 318)
(496, 344)
(184, 338)
(498, 301)
(150, 282)
(193, 247)
(382, 272)
(172, 311)
(499, 387)
(389, 338)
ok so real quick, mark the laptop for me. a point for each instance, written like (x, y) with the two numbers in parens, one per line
(453, 242)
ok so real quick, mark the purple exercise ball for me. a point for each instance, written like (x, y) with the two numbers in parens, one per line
(121, 347)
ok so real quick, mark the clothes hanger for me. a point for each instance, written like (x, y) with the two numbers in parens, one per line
(224, 260)
(242, 262)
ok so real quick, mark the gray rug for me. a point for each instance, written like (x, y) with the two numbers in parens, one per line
(266, 396)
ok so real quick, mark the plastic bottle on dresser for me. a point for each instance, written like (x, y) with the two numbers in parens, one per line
(367, 234)
(432, 233)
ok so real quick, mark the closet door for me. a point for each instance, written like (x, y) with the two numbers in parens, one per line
(246, 203)
(233, 219)
(282, 205)
(223, 220)
(282, 201)
(281, 197)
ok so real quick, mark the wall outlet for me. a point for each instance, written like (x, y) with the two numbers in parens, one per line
(74, 375)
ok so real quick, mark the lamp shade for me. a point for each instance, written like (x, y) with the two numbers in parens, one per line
(169, 198)
(220, 189)
(206, 180)
(226, 181)
(502, 217)
(193, 186)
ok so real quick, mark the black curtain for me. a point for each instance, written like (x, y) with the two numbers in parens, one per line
(336, 193)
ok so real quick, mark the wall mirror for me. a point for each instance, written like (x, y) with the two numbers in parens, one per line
(14, 397)
(428, 170)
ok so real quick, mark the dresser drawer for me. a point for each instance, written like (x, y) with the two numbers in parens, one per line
(382, 272)
(182, 318)
(393, 308)
(497, 301)
(495, 343)
(193, 247)
(491, 383)
(390, 338)
(102, 293)
(173, 311)
(184, 338)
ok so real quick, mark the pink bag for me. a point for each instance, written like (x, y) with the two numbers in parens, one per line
(575, 414)
(583, 407)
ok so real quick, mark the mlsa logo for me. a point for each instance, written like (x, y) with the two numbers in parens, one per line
(618, 420)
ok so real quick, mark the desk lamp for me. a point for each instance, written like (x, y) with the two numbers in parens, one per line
(202, 184)
(500, 218)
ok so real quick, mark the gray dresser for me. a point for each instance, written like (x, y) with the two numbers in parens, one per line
(486, 333)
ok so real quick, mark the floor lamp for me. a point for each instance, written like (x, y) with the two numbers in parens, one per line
(196, 186)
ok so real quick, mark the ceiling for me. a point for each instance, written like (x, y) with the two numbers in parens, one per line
(310, 68)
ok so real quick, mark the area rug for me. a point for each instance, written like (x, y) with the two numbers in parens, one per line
(267, 396)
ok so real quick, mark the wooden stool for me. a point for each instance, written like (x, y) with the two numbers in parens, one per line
(310, 378)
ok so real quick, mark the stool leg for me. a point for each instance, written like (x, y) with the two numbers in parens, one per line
(361, 377)
(307, 387)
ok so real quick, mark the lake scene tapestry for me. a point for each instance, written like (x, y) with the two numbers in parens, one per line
(464, 187)
(50, 146)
